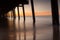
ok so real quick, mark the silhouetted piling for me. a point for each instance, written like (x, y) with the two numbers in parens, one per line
(14, 13)
(55, 15)
(32, 6)
(55, 19)
(11, 14)
(23, 11)
(18, 12)
(5, 15)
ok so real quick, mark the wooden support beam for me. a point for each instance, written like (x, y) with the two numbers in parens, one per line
(32, 6)
(14, 13)
(55, 19)
(23, 11)
(18, 12)
(55, 14)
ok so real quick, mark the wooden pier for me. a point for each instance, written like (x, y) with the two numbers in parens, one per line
(7, 5)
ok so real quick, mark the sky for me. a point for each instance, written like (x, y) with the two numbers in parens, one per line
(41, 7)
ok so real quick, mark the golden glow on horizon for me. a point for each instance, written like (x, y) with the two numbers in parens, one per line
(29, 13)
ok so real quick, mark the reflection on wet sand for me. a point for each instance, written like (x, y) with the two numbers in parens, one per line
(34, 31)
(3, 29)
(55, 32)
(14, 29)
(24, 31)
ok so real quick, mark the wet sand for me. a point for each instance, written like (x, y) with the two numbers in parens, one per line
(17, 29)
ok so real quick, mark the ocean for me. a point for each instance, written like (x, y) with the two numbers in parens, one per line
(17, 29)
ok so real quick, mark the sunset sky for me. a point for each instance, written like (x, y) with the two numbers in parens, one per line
(42, 8)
